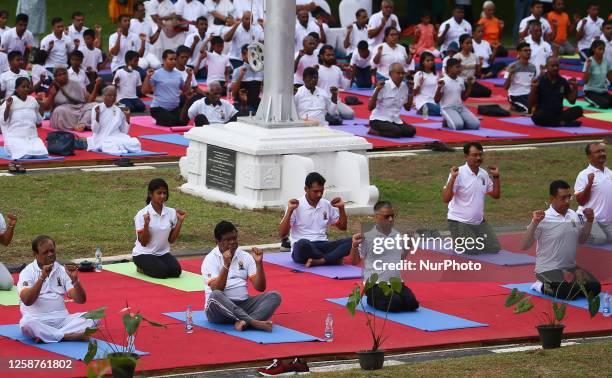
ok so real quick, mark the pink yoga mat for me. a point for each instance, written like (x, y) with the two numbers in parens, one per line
(80, 134)
(148, 121)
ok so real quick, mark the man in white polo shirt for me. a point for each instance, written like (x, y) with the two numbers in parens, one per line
(453, 28)
(465, 193)
(306, 221)
(242, 33)
(380, 21)
(587, 30)
(42, 286)
(210, 109)
(593, 189)
(537, 11)
(557, 232)
(57, 45)
(226, 270)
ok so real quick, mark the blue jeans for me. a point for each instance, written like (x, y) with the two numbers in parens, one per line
(331, 251)
(432, 109)
(134, 104)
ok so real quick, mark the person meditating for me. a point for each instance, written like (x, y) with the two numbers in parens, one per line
(6, 236)
(313, 103)
(42, 286)
(362, 249)
(306, 221)
(226, 270)
(557, 232)
(157, 226)
(210, 109)
(110, 125)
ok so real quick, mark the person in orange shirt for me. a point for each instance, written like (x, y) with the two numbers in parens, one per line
(493, 28)
(560, 20)
(425, 36)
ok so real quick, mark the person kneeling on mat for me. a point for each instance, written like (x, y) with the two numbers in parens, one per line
(558, 231)
(42, 286)
(210, 109)
(226, 270)
(452, 91)
(386, 103)
(362, 249)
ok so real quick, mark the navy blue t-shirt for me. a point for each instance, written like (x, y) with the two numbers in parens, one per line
(551, 95)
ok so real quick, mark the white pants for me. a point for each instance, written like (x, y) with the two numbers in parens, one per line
(459, 118)
(54, 330)
(6, 280)
(601, 233)
(345, 111)
(149, 61)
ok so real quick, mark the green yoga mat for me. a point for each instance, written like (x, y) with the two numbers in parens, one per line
(9, 298)
(600, 116)
(186, 282)
(586, 106)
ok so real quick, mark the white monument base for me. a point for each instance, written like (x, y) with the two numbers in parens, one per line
(254, 167)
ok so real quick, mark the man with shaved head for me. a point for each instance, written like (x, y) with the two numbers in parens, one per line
(380, 21)
(243, 32)
(210, 109)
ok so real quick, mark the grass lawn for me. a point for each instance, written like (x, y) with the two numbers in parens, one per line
(83, 210)
(586, 360)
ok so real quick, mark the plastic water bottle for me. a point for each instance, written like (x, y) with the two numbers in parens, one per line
(329, 328)
(606, 306)
(189, 320)
(98, 259)
(425, 112)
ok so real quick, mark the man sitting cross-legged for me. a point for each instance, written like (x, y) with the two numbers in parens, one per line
(42, 286)
(306, 221)
(226, 270)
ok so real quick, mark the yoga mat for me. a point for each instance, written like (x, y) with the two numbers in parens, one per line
(600, 116)
(72, 349)
(482, 132)
(498, 81)
(278, 335)
(424, 319)
(148, 121)
(570, 67)
(5, 156)
(503, 257)
(413, 113)
(355, 121)
(362, 131)
(571, 61)
(340, 272)
(137, 154)
(9, 297)
(360, 91)
(80, 134)
(607, 247)
(586, 106)
(581, 130)
(168, 138)
(186, 282)
(1, 138)
(505, 59)
(579, 302)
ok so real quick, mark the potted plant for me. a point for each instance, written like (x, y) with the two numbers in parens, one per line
(122, 358)
(374, 358)
(551, 328)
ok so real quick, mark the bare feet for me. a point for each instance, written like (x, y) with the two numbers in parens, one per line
(314, 262)
(262, 325)
(75, 337)
(240, 325)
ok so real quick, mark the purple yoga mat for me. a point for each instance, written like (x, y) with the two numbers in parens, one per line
(498, 81)
(413, 113)
(362, 131)
(504, 257)
(339, 272)
(581, 130)
(355, 121)
(483, 132)
(360, 92)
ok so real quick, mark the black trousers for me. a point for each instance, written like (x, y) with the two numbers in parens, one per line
(392, 130)
(520, 102)
(547, 118)
(165, 117)
(598, 99)
(501, 52)
(164, 266)
(555, 284)
(479, 90)
(404, 301)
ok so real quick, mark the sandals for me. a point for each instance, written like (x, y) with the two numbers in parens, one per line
(15, 167)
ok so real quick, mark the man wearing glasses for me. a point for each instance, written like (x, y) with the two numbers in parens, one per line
(465, 193)
(557, 231)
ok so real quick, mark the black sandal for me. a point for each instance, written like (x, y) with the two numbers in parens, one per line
(15, 167)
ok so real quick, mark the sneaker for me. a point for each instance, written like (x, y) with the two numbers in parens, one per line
(285, 245)
(277, 368)
(299, 367)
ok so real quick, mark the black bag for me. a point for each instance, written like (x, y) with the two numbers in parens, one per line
(60, 143)
(333, 120)
(493, 111)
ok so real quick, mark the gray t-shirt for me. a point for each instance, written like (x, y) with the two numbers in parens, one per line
(373, 241)
(557, 238)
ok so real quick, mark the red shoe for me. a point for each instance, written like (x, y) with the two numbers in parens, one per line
(299, 367)
(277, 368)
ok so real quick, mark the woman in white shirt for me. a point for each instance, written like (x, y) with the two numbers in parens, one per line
(157, 226)
(471, 65)
(390, 52)
(19, 118)
(425, 85)
(6, 236)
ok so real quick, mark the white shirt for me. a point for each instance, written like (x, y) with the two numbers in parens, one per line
(470, 189)
(220, 113)
(256, 7)
(144, 27)
(375, 21)
(331, 77)
(311, 223)
(38, 70)
(456, 30)
(250, 75)
(358, 61)
(131, 42)
(22, 123)
(451, 92)
(7, 81)
(592, 30)
(428, 88)
(601, 192)
(608, 52)
(357, 35)
(244, 37)
(184, 74)
(301, 32)
(59, 54)
(483, 50)
(539, 53)
(521, 80)
(129, 81)
(190, 10)
(305, 61)
(160, 226)
(2, 224)
(50, 302)
(390, 101)
(217, 65)
(224, 7)
(80, 77)
(163, 9)
(314, 105)
(557, 238)
(196, 50)
(241, 269)
(4, 65)
(545, 24)
(468, 64)
(12, 42)
(91, 58)
(388, 57)
(75, 34)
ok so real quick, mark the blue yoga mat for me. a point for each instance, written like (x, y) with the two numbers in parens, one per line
(73, 349)
(505, 59)
(362, 131)
(498, 81)
(579, 302)
(5, 156)
(581, 130)
(423, 318)
(168, 138)
(137, 154)
(360, 91)
(278, 335)
(570, 67)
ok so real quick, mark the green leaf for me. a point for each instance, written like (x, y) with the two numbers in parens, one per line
(386, 289)
(514, 297)
(92, 350)
(154, 324)
(523, 306)
(373, 278)
(351, 307)
(559, 311)
(131, 323)
(594, 303)
(90, 331)
(95, 314)
(396, 284)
